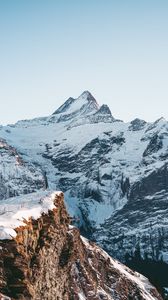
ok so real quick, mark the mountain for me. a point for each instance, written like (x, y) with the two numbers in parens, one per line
(16, 176)
(114, 175)
(84, 105)
(44, 257)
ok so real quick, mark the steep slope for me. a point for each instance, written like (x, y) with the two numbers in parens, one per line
(16, 176)
(42, 257)
(84, 105)
(114, 176)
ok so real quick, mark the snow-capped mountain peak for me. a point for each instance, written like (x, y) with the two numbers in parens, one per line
(74, 112)
(88, 97)
(84, 105)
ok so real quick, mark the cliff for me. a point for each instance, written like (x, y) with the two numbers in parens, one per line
(44, 257)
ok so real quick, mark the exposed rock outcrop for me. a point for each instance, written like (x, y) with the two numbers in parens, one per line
(47, 259)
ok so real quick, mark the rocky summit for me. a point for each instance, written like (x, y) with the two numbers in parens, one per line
(114, 176)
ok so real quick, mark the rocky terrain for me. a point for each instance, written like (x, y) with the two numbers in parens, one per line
(43, 257)
(16, 176)
(114, 176)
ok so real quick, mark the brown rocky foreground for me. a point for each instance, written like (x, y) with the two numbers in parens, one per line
(49, 260)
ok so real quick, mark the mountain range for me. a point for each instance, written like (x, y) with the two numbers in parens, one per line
(114, 176)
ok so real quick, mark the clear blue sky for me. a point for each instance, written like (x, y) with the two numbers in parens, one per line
(53, 49)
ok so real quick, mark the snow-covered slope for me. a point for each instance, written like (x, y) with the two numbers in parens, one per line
(114, 174)
(15, 211)
(85, 105)
(16, 176)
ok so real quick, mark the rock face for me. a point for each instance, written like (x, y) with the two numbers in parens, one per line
(16, 176)
(47, 259)
(114, 176)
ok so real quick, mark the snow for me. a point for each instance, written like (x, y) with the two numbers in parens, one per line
(164, 256)
(84, 105)
(77, 104)
(16, 176)
(30, 138)
(141, 281)
(81, 296)
(14, 211)
(98, 212)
